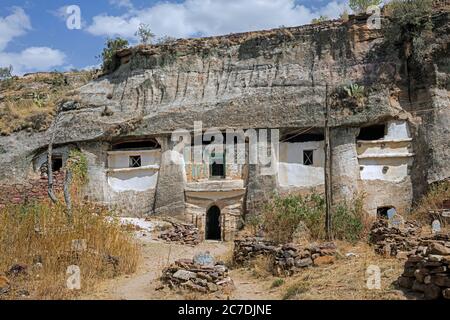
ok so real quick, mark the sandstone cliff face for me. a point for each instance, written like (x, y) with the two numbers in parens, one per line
(267, 79)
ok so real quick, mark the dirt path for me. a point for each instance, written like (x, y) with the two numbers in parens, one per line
(156, 255)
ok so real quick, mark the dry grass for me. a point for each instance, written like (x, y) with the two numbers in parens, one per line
(24, 114)
(262, 266)
(433, 200)
(40, 237)
(29, 103)
(346, 279)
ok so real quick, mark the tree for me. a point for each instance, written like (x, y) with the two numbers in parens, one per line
(361, 6)
(144, 34)
(109, 64)
(319, 19)
(344, 16)
(6, 73)
(410, 25)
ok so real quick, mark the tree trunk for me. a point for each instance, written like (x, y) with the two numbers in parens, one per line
(50, 192)
(67, 197)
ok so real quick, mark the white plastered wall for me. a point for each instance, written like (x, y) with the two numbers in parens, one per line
(387, 159)
(122, 178)
(292, 172)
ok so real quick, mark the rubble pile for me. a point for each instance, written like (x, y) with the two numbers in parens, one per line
(394, 241)
(427, 270)
(185, 273)
(290, 258)
(181, 233)
(287, 258)
(249, 248)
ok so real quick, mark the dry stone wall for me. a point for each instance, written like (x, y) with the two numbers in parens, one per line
(32, 190)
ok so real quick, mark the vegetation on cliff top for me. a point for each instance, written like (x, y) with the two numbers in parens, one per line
(30, 102)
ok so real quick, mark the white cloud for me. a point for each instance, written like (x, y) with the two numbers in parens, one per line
(212, 17)
(14, 25)
(334, 8)
(33, 59)
(122, 3)
(30, 59)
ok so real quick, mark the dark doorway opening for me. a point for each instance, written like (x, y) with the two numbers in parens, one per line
(385, 212)
(57, 163)
(376, 132)
(213, 224)
(217, 170)
(149, 144)
(217, 167)
(295, 137)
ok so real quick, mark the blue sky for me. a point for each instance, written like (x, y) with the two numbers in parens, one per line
(34, 35)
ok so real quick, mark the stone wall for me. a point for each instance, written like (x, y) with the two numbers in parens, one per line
(33, 190)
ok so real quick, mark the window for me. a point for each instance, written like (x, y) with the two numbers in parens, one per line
(135, 161)
(217, 168)
(308, 157)
(376, 132)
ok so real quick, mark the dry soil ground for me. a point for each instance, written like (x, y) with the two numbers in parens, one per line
(346, 279)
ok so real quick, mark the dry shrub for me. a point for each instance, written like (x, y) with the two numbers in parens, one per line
(262, 266)
(30, 103)
(432, 200)
(23, 114)
(295, 289)
(40, 237)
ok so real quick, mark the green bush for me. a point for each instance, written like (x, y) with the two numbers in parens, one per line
(6, 77)
(356, 91)
(109, 63)
(411, 26)
(319, 19)
(348, 220)
(277, 283)
(361, 6)
(282, 215)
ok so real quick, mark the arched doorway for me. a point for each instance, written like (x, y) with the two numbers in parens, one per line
(212, 231)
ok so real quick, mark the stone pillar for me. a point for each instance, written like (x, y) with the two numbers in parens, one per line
(169, 197)
(344, 163)
(260, 188)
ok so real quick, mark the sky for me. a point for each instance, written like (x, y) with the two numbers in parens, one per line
(43, 35)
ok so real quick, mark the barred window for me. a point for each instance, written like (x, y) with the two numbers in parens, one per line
(135, 161)
(308, 157)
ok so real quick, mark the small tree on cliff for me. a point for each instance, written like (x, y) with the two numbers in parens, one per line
(111, 47)
(360, 6)
(319, 19)
(6, 73)
(144, 33)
